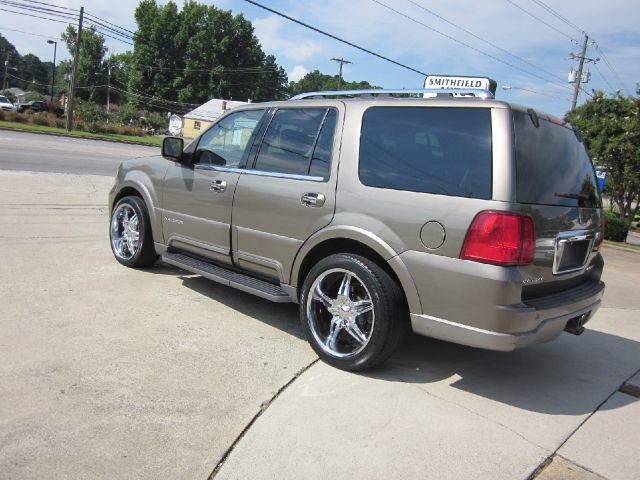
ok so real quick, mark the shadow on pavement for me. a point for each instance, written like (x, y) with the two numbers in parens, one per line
(563, 377)
(568, 376)
(283, 316)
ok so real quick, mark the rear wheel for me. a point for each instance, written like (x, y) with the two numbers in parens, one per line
(130, 233)
(352, 312)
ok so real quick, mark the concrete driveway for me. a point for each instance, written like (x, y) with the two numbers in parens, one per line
(107, 372)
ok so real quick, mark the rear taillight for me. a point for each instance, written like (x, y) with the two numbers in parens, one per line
(500, 238)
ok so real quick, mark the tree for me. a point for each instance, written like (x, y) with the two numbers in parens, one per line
(316, 81)
(91, 74)
(200, 52)
(611, 131)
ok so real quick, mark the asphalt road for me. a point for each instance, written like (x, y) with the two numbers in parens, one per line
(48, 153)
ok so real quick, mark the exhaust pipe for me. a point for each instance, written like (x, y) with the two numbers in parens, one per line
(575, 326)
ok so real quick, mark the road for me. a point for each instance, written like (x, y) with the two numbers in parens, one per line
(109, 372)
(48, 153)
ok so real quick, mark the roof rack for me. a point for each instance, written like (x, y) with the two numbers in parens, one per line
(378, 92)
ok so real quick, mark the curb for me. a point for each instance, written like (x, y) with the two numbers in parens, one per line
(621, 248)
(52, 134)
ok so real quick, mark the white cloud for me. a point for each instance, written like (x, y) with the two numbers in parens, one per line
(297, 73)
(275, 35)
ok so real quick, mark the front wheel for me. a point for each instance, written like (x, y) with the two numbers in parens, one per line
(353, 313)
(130, 233)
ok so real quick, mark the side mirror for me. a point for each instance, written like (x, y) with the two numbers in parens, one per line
(172, 149)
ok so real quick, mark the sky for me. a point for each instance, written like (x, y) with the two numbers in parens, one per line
(521, 44)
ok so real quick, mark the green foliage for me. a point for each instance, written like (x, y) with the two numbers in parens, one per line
(615, 228)
(33, 96)
(198, 53)
(91, 68)
(316, 81)
(128, 114)
(10, 96)
(26, 72)
(91, 115)
(611, 131)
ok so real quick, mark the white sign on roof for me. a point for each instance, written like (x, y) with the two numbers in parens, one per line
(445, 81)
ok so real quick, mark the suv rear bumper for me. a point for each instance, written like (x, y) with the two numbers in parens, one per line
(548, 329)
(485, 309)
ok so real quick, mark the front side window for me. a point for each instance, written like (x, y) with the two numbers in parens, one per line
(225, 142)
(298, 142)
(445, 151)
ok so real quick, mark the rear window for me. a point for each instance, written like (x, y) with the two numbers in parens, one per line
(427, 149)
(552, 165)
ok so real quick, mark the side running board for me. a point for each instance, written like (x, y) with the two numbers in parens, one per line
(246, 283)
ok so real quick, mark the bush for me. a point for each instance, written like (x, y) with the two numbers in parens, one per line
(41, 118)
(133, 131)
(9, 116)
(23, 118)
(91, 114)
(615, 228)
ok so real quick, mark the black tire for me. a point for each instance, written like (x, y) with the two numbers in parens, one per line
(330, 323)
(130, 216)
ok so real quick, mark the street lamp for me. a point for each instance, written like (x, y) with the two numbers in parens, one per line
(53, 73)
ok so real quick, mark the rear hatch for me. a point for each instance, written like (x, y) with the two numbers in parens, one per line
(556, 185)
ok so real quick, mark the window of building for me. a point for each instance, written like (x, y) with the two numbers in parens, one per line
(196, 125)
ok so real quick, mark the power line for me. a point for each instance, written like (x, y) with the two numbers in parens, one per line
(334, 37)
(610, 66)
(483, 40)
(111, 24)
(558, 15)
(51, 5)
(493, 57)
(603, 77)
(41, 10)
(115, 31)
(545, 23)
(34, 16)
(29, 33)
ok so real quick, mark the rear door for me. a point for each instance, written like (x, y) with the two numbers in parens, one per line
(289, 193)
(556, 184)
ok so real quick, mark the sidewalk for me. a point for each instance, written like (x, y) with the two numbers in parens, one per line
(443, 411)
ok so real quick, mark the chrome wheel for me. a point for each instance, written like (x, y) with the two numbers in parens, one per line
(125, 232)
(340, 313)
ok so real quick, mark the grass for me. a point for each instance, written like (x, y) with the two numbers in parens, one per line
(628, 246)
(75, 133)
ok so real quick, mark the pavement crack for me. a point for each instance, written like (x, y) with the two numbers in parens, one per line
(263, 407)
(549, 458)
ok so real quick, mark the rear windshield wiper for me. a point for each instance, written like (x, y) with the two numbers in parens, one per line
(574, 196)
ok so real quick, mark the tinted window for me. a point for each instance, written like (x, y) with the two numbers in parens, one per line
(552, 165)
(290, 141)
(225, 142)
(433, 150)
(321, 160)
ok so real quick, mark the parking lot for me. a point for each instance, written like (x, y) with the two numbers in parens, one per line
(108, 372)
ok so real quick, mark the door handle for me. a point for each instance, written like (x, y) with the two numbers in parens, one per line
(313, 199)
(218, 186)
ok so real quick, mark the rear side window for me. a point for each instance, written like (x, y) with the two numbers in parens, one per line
(298, 142)
(552, 165)
(426, 149)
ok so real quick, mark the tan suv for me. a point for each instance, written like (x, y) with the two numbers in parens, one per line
(465, 219)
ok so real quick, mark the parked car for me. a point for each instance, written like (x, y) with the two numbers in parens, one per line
(6, 105)
(464, 219)
(33, 105)
(41, 106)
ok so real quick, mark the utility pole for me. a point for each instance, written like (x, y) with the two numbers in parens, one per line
(582, 57)
(6, 67)
(53, 71)
(341, 61)
(108, 83)
(74, 72)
